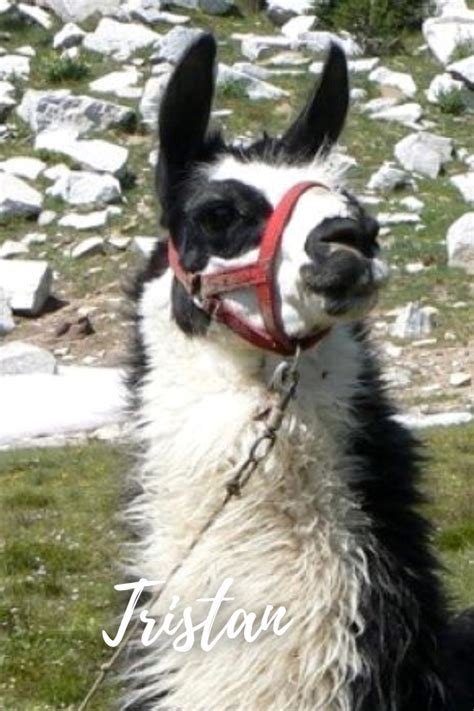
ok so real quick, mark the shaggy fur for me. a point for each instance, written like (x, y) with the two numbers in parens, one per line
(329, 526)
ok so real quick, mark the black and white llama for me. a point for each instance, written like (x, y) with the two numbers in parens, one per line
(329, 526)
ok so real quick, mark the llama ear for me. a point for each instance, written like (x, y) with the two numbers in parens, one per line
(320, 123)
(184, 115)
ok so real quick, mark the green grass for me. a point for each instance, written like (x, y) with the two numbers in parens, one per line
(60, 543)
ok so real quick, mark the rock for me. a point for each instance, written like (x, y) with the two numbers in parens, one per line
(18, 358)
(62, 110)
(424, 153)
(7, 323)
(120, 243)
(321, 41)
(298, 25)
(31, 15)
(34, 238)
(216, 7)
(281, 11)
(7, 99)
(70, 35)
(397, 377)
(96, 155)
(442, 84)
(465, 184)
(120, 38)
(84, 188)
(46, 217)
(17, 198)
(143, 246)
(388, 178)
(414, 267)
(358, 95)
(292, 59)
(375, 105)
(460, 380)
(255, 89)
(11, 248)
(23, 167)
(123, 84)
(26, 284)
(407, 114)
(253, 47)
(356, 66)
(13, 66)
(412, 203)
(88, 247)
(79, 10)
(176, 42)
(440, 419)
(401, 83)
(414, 321)
(56, 171)
(89, 221)
(464, 69)
(460, 243)
(446, 33)
(397, 218)
(151, 100)
(448, 7)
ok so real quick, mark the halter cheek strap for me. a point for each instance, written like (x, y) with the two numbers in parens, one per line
(209, 288)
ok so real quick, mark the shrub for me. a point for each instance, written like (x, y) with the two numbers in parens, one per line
(463, 50)
(452, 102)
(63, 69)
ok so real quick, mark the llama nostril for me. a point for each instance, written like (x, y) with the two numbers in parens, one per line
(341, 273)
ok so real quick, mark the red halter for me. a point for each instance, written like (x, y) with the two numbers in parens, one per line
(261, 275)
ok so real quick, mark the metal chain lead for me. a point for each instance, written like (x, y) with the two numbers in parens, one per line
(284, 381)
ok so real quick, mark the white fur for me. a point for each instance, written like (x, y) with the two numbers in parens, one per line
(291, 539)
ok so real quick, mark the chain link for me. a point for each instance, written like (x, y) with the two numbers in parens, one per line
(284, 382)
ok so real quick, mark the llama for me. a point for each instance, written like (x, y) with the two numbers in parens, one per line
(328, 527)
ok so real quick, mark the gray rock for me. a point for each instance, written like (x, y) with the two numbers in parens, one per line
(281, 11)
(460, 379)
(386, 219)
(318, 42)
(7, 99)
(381, 104)
(216, 7)
(465, 184)
(414, 321)
(46, 217)
(62, 110)
(84, 188)
(397, 377)
(298, 25)
(120, 38)
(440, 419)
(151, 99)
(407, 114)
(26, 284)
(18, 358)
(13, 66)
(176, 42)
(26, 14)
(17, 198)
(412, 203)
(118, 242)
(356, 66)
(69, 36)
(88, 221)
(143, 246)
(255, 89)
(399, 82)
(290, 58)
(118, 83)
(7, 323)
(96, 155)
(253, 47)
(388, 177)
(88, 247)
(460, 243)
(442, 84)
(23, 167)
(79, 10)
(464, 69)
(12, 248)
(424, 153)
(445, 34)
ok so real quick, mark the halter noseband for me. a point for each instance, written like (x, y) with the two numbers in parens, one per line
(208, 288)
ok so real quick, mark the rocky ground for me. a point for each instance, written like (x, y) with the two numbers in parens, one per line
(79, 95)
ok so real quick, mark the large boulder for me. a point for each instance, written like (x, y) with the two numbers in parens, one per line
(18, 358)
(120, 38)
(17, 198)
(176, 42)
(96, 155)
(55, 110)
(445, 34)
(68, 36)
(424, 153)
(26, 284)
(399, 82)
(460, 243)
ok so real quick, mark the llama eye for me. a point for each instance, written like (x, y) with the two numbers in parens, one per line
(217, 218)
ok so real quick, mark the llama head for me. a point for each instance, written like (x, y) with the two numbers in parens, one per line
(216, 199)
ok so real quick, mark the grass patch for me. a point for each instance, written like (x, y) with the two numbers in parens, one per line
(452, 102)
(61, 70)
(59, 542)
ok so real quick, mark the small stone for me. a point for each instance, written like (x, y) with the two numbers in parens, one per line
(23, 167)
(460, 243)
(35, 238)
(281, 11)
(89, 221)
(26, 283)
(381, 104)
(7, 99)
(255, 89)
(84, 188)
(96, 155)
(120, 243)
(11, 248)
(464, 69)
(399, 82)
(7, 323)
(151, 99)
(120, 38)
(412, 203)
(397, 218)
(35, 15)
(388, 177)
(17, 198)
(414, 321)
(460, 380)
(414, 267)
(69, 36)
(14, 66)
(46, 217)
(18, 358)
(407, 114)
(442, 84)
(118, 83)
(424, 153)
(298, 25)
(144, 246)
(88, 247)
(440, 419)
(465, 184)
